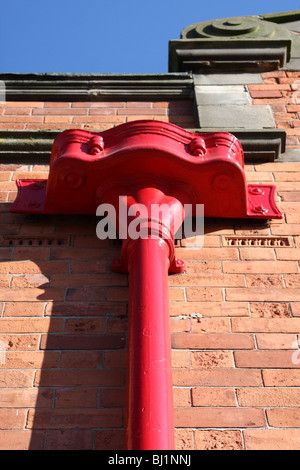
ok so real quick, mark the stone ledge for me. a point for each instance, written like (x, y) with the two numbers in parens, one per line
(35, 146)
(92, 87)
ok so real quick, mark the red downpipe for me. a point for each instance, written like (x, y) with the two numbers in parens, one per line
(149, 421)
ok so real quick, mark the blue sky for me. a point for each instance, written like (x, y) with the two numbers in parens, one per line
(106, 36)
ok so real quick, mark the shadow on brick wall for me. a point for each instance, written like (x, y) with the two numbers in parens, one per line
(67, 314)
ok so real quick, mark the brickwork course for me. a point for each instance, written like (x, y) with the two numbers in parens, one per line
(234, 312)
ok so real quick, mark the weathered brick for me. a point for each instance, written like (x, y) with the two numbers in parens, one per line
(272, 439)
(217, 378)
(281, 378)
(284, 417)
(22, 440)
(79, 378)
(267, 397)
(75, 398)
(263, 294)
(265, 325)
(213, 397)
(75, 418)
(265, 359)
(210, 309)
(26, 398)
(211, 359)
(69, 439)
(218, 440)
(212, 341)
(219, 417)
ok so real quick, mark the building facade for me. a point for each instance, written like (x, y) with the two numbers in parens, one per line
(234, 313)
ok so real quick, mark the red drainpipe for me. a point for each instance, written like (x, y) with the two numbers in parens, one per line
(149, 162)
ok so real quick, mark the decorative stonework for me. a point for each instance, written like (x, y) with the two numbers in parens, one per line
(250, 27)
(242, 44)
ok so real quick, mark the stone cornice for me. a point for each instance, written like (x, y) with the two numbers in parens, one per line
(97, 87)
(35, 146)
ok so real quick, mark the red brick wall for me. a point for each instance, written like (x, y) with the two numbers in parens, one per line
(281, 90)
(234, 313)
(91, 115)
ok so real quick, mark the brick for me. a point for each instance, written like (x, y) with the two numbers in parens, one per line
(264, 325)
(74, 418)
(81, 280)
(58, 119)
(206, 254)
(213, 397)
(278, 166)
(22, 104)
(281, 378)
(263, 294)
(12, 419)
(218, 440)
(81, 359)
(272, 439)
(30, 280)
(30, 267)
(265, 359)
(109, 440)
(66, 309)
(58, 111)
(295, 309)
(22, 440)
(181, 397)
(257, 253)
(26, 398)
(177, 325)
(88, 267)
(86, 325)
(83, 294)
(276, 341)
(211, 359)
(5, 254)
(288, 253)
(142, 111)
(287, 176)
(75, 398)
(24, 309)
(207, 280)
(31, 360)
(260, 267)
(199, 294)
(285, 229)
(31, 253)
(180, 358)
(20, 342)
(79, 378)
(82, 341)
(210, 309)
(210, 325)
(16, 378)
(29, 325)
(284, 418)
(265, 93)
(69, 439)
(292, 280)
(212, 341)
(255, 280)
(290, 196)
(113, 397)
(115, 359)
(184, 439)
(17, 294)
(266, 397)
(217, 378)
(98, 119)
(219, 417)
